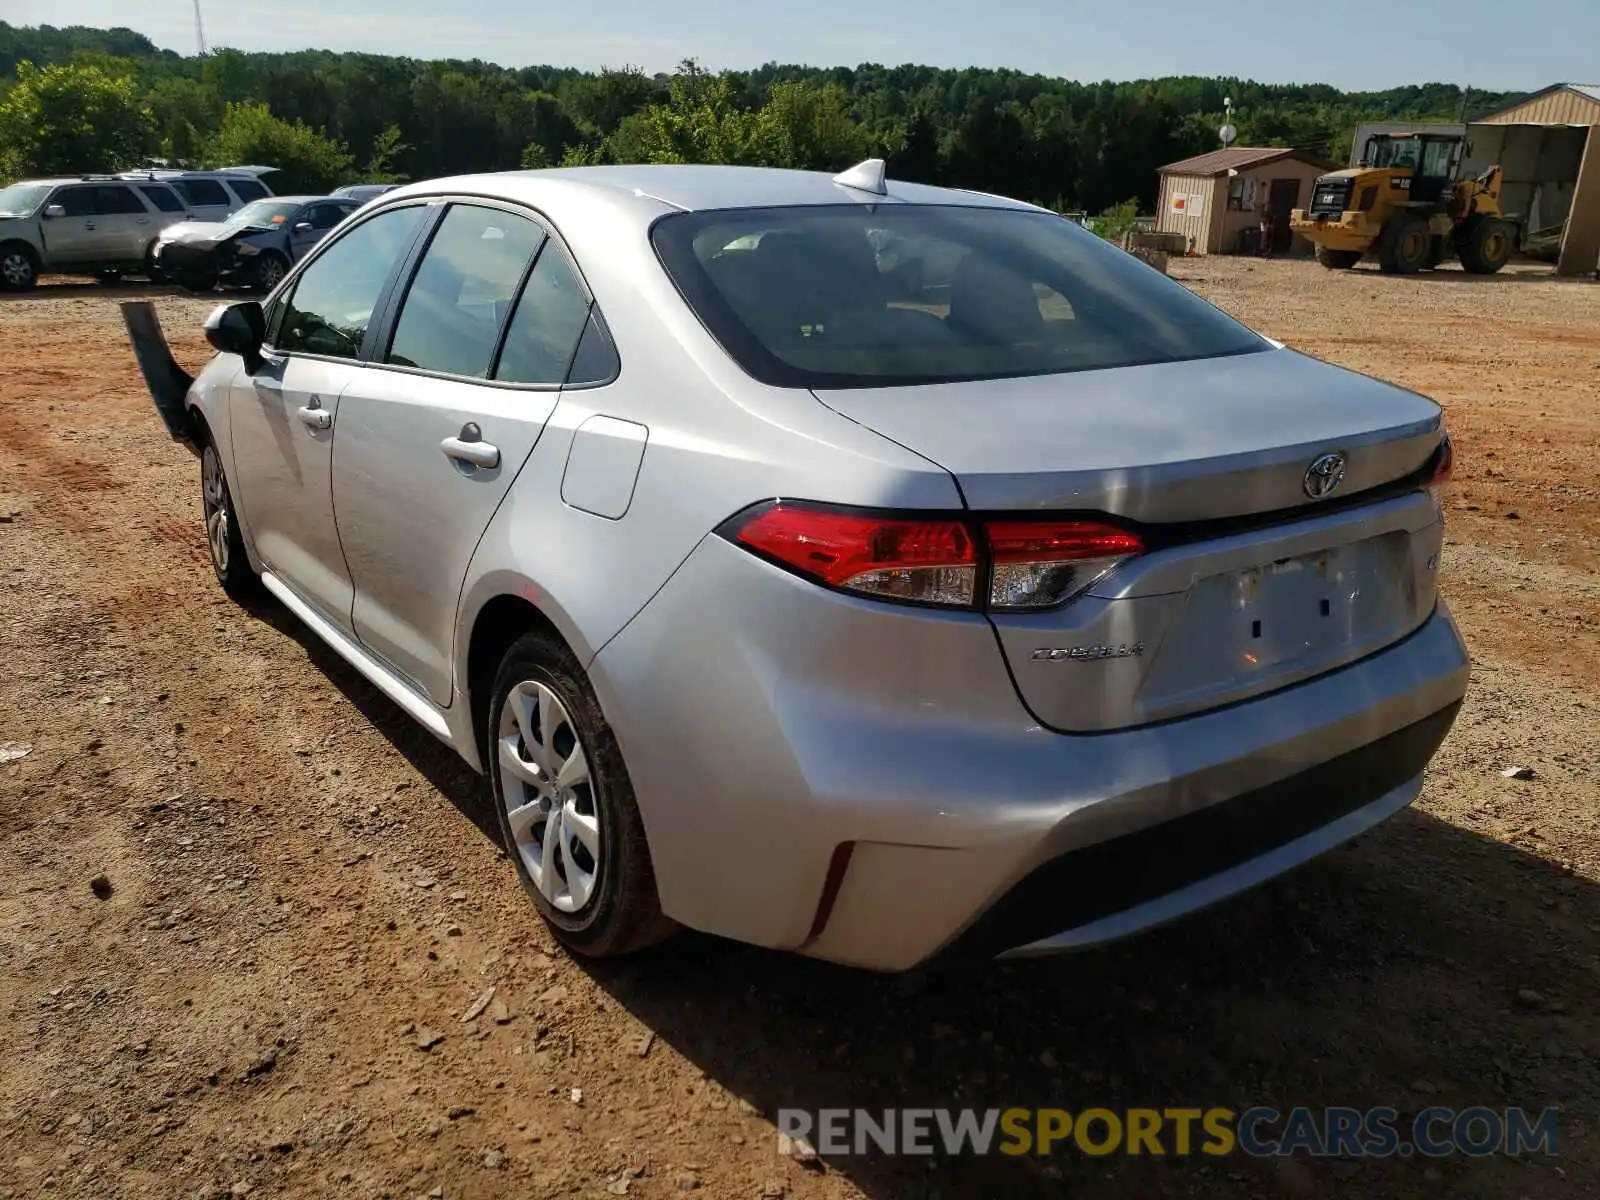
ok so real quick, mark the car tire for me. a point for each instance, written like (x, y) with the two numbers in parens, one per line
(271, 267)
(223, 541)
(548, 748)
(19, 267)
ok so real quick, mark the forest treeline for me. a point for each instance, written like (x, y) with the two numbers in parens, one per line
(79, 99)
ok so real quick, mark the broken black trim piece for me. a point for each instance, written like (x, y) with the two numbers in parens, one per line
(167, 382)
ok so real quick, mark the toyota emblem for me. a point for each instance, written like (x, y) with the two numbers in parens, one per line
(1324, 475)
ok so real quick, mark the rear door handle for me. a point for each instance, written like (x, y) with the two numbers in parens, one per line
(469, 447)
(316, 416)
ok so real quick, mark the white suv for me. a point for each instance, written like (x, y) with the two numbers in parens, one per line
(93, 225)
(211, 195)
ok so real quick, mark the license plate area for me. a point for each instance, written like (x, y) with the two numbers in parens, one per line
(1291, 616)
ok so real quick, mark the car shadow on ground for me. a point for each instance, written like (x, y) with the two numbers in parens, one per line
(1421, 965)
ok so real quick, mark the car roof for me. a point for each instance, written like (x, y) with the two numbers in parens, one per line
(693, 188)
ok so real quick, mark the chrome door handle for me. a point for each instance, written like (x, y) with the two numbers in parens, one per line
(317, 418)
(469, 447)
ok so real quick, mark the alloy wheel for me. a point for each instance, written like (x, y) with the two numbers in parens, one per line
(16, 269)
(219, 521)
(272, 273)
(549, 796)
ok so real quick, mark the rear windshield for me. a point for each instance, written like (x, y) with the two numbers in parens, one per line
(844, 296)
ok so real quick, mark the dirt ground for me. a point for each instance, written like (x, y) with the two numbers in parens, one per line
(306, 891)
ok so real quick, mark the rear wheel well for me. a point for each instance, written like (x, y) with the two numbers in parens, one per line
(499, 623)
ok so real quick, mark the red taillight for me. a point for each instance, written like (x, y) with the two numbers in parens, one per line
(1030, 564)
(928, 562)
(1444, 463)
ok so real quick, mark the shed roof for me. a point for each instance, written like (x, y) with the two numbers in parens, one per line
(1588, 91)
(1234, 158)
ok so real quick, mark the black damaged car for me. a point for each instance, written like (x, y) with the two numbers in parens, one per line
(253, 247)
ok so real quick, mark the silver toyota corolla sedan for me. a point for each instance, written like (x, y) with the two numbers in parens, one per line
(883, 572)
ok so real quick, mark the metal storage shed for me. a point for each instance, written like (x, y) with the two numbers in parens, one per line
(1549, 161)
(1546, 146)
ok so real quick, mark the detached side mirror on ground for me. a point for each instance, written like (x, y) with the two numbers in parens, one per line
(238, 329)
(55, 210)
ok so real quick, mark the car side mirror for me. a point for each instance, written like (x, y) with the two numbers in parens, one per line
(303, 227)
(239, 329)
(55, 210)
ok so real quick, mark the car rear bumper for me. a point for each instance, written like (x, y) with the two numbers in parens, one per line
(767, 724)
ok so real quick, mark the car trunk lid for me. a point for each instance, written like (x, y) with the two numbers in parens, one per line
(1186, 441)
(1252, 581)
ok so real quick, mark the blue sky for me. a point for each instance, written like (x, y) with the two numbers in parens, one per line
(1358, 44)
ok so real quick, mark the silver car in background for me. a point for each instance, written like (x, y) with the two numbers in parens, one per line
(872, 570)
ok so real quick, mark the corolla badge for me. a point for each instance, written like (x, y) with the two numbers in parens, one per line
(1096, 653)
(1324, 475)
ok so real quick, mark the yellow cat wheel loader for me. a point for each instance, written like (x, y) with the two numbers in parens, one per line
(1407, 206)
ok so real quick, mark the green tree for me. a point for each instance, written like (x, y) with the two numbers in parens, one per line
(306, 160)
(584, 154)
(386, 147)
(185, 112)
(809, 127)
(68, 119)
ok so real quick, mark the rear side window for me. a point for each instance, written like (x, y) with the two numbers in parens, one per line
(247, 189)
(333, 300)
(116, 200)
(596, 359)
(549, 320)
(461, 294)
(163, 198)
(850, 296)
(202, 193)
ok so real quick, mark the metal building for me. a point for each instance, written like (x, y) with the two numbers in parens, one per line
(1213, 198)
(1550, 164)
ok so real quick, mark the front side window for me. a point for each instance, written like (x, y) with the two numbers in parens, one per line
(325, 216)
(549, 320)
(451, 317)
(78, 201)
(162, 197)
(333, 300)
(844, 296)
